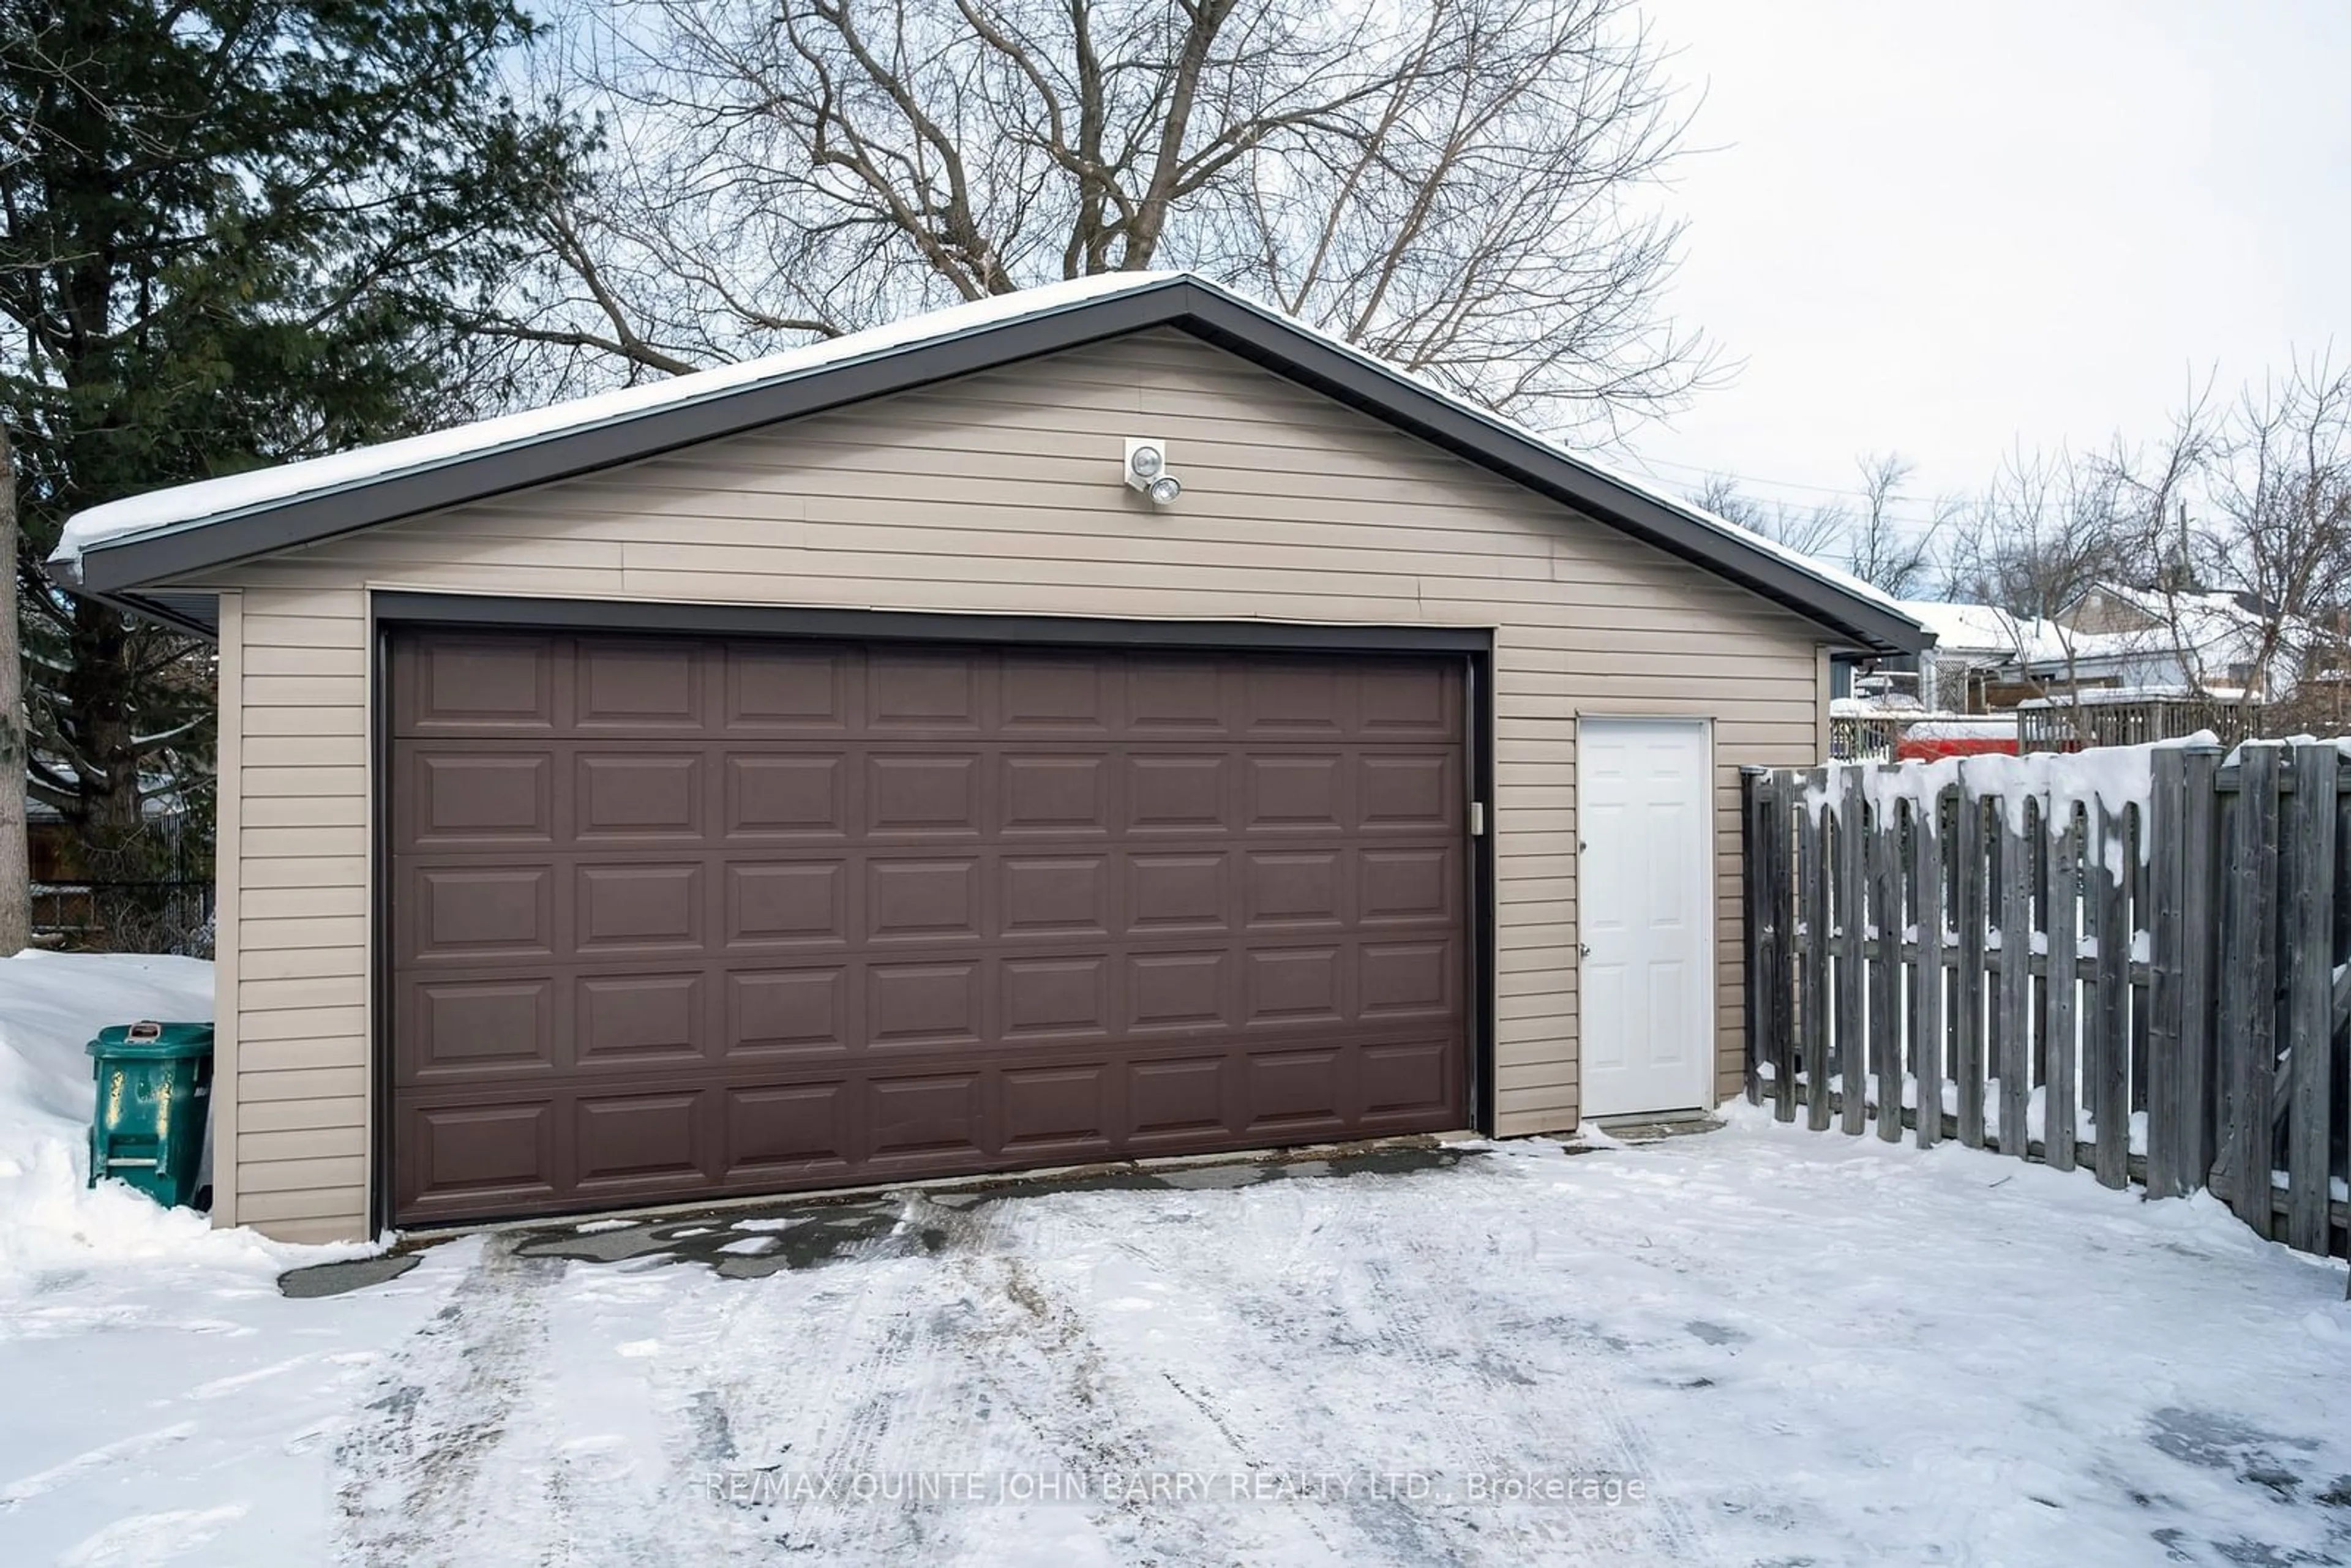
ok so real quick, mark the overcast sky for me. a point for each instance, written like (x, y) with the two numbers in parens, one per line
(1943, 229)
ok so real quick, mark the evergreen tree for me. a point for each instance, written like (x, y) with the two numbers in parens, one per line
(236, 231)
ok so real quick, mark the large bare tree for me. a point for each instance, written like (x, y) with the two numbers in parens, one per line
(2234, 532)
(1891, 554)
(2277, 525)
(2221, 549)
(2043, 535)
(1458, 185)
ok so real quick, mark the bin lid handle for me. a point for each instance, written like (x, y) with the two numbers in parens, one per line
(147, 1029)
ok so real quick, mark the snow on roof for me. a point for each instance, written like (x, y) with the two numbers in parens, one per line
(1983, 629)
(215, 500)
(1964, 628)
(211, 500)
(2219, 627)
(2081, 649)
(2101, 696)
(2155, 647)
(2227, 604)
(2039, 644)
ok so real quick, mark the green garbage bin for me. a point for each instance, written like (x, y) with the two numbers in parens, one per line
(154, 1097)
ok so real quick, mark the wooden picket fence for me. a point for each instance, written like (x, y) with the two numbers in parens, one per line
(1993, 943)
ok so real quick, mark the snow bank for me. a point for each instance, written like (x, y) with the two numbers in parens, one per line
(51, 1004)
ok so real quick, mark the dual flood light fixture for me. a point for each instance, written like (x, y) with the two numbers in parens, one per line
(1146, 470)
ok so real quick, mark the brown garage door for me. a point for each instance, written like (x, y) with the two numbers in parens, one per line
(672, 919)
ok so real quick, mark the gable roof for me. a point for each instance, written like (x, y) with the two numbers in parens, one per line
(1963, 629)
(124, 549)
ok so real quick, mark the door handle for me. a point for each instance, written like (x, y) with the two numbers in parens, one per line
(1583, 949)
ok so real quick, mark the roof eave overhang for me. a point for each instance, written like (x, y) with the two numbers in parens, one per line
(138, 604)
(116, 568)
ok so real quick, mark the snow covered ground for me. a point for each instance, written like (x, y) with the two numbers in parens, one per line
(1795, 1347)
(51, 1004)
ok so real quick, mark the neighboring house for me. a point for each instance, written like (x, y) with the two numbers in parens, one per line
(835, 769)
(2115, 638)
(1980, 652)
(2144, 639)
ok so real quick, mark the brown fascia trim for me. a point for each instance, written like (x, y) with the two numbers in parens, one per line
(1256, 335)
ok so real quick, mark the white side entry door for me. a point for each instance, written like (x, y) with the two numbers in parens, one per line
(1644, 911)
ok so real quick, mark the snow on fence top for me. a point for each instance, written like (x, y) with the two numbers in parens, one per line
(2123, 696)
(1972, 727)
(2112, 778)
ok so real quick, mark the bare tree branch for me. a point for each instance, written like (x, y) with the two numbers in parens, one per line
(1885, 552)
(1895, 558)
(1458, 186)
(1813, 531)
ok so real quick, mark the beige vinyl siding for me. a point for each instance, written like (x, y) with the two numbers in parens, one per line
(295, 743)
(1000, 494)
(228, 1123)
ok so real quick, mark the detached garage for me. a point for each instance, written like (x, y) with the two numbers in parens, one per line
(846, 768)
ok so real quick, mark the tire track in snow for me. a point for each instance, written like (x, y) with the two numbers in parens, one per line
(1426, 1302)
(578, 1470)
(805, 1376)
(696, 1384)
(1292, 1310)
(957, 1360)
(1042, 1362)
(1154, 1436)
(407, 1474)
(1326, 1337)
(861, 1407)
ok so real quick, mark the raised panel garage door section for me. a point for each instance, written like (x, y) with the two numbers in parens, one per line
(676, 919)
